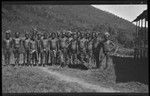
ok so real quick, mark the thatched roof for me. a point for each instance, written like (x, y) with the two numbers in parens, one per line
(143, 15)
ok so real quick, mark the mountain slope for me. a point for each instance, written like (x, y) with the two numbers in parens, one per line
(57, 17)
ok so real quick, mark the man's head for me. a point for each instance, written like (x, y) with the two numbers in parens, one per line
(74, 35)
(106, 34)
(63, 34)
(69, 33)
(96, 34)
(38, 36)
(45, 36)
(81, 35)
(8, 34)
(17, 35)
(53, 35)
(88, 35)
(27, 35)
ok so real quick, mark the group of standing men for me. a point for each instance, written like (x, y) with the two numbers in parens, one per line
(57, 48)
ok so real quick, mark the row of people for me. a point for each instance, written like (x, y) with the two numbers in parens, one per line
(63, 49)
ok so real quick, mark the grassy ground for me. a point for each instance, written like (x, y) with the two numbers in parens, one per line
(26, 79)
(29, 79)
(105, 79)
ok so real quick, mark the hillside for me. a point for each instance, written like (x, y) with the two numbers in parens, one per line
(58, 17)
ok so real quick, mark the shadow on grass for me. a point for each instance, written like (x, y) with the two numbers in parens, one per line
(78, 66)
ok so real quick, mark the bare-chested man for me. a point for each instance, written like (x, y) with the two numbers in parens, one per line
(63, 48)
(16, 48)
(33, 51)
(73, 49)
(82, 47)
(45, 49)
(26, 45)
(39, 48)
(53, 48)
(69, 39)
(89, 47)
(7, 45)
(108, 47)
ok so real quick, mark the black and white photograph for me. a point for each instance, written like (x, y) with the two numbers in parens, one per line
(74, 48)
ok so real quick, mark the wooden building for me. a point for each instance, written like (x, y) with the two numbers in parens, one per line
(141, 41)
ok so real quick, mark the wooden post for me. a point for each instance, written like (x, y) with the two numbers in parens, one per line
(146, 39)
(144, 31)
(146, 35)
(139, 39)
(142, 38)
(141, 30)
(136, 29)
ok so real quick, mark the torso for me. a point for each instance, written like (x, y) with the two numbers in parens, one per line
(17, 42)
(33, 45)
(74, 44)
(54, 43)
(45, 43)
(7, 42)
(63, 42)
(27, 43)
(90, 45)
(38, 43)
(83, 43)
(107, 46)
(96, 42)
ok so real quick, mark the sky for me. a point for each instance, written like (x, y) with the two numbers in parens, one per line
(128, 12)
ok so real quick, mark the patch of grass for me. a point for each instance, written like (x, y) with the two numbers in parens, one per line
(105, 78)
(26, 79)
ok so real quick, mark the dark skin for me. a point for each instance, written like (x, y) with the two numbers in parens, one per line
(82, 46)
(39, 48)
(74, 43)
(107, 43)
(63, 45)
(26, 44)
(54, 48)
(7, 47)
(89, 48)
(17, 44)
(33, 51)
(45, 47)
